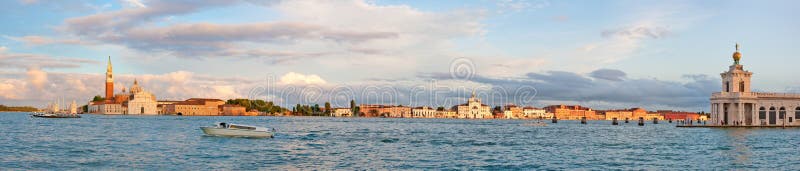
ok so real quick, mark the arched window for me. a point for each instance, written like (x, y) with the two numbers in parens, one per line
(772, 116)
(727, 86)
(796, 112)
(762, 113)
(741, 86)
(782, 113)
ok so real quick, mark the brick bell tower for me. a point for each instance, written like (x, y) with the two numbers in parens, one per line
(109, 81)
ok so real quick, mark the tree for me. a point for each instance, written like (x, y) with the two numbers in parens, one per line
(440, 108)
(357, 111)
(98, 98)
(316, 108)
(328, 108)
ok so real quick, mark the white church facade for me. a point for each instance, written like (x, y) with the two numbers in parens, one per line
(737, 105)
(141, 102)
(474, 109)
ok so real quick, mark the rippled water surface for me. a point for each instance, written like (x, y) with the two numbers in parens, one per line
(170, 142)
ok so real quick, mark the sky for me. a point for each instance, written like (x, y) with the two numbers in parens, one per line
(600, 54)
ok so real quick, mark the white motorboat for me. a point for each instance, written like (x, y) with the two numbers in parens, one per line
(236, 130)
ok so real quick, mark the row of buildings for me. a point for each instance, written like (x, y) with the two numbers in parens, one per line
(138, 101)
(473, 109)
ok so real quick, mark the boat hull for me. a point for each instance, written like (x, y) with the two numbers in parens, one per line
(56, 116)
(214, 131)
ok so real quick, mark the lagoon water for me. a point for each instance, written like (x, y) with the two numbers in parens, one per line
(171, 142)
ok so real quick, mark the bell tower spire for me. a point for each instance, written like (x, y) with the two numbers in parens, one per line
(736, 79)
(109, 80)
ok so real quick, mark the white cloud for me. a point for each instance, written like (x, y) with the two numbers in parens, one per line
(37, 78)
(42, 40)
(297, 78)
(134, 3)
(329, 34)
(10, 88)
(520, 5)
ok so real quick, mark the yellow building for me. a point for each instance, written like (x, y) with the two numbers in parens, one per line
(630, 114)
(233, 110)
(195, 107)
(342, 112)
(423, 112)
(572, 112)
(446, 114)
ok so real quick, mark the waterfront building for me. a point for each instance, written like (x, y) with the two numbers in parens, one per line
(678, 115)
(535, 113)
(651, 116)
(370, 110)
(195, 107)
(423, 112)
(161, 106)
(342, 112)
(375, 110)
(736, 104)
(141, 102)
(446, 114)
(703, 118)
(474, 109)
(575, 112)
(508, 114)
(512, 111)
(398, 111)
(233, 110)
(623, 114)
(137, 101)
(106, 108)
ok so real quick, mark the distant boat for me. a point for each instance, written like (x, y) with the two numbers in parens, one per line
(53, 111)
(54, 115)
(537, 124)
(236, 130)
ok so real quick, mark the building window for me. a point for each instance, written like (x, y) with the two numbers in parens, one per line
(782, 113)
(762, 113)
(797, 112)
(741, 86)
(727, 86)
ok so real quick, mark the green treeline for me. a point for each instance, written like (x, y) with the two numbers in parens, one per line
(18, 108)
(260, 105)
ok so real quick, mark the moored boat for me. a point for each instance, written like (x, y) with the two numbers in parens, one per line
(236, 130)
(53, 111)
(55, 115)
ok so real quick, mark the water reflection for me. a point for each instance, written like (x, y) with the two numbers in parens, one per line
(738, 139)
